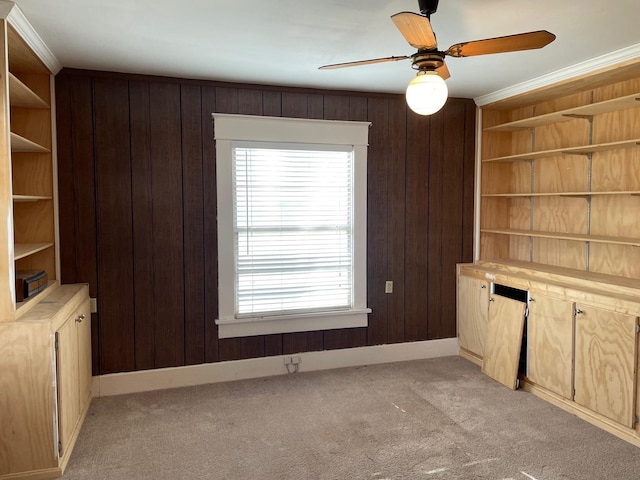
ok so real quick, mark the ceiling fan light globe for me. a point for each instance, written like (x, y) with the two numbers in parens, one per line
(427, 93)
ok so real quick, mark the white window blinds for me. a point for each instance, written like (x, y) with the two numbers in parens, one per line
(293, 228)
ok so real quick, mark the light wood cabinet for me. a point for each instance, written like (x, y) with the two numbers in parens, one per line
(44, 384)
(605, 360)
(550, 343)
(73, 362)
(473, 307)
(581, 342)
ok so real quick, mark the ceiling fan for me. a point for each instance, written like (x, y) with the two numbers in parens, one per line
(427, 92)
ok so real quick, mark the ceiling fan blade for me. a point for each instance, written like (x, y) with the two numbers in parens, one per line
(416, 29)
(510, 43)
(363, 62)
(443, 71)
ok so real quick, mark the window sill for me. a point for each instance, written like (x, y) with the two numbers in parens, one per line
(246, 327)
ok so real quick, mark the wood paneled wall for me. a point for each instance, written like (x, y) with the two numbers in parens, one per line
(137, 193)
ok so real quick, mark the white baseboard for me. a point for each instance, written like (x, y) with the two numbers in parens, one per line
(142, 381)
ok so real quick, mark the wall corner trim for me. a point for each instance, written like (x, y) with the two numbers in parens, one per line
(146, 380)
(583, 68)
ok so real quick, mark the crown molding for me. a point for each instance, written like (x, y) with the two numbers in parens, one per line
(19, 22)
(583, 68)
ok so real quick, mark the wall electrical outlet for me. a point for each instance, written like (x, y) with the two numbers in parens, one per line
(295, 360)
(388, 286)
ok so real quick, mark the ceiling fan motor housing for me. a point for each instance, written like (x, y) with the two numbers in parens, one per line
(427, 60)
(427, 7)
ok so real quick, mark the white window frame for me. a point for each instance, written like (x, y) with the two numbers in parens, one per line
(233, 128)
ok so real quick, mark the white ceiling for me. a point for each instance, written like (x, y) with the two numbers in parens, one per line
(283, 42)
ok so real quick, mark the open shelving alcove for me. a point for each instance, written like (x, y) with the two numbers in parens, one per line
(31, 152)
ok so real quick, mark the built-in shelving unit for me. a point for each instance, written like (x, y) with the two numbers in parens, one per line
(32, 163)
(562, 188)
(45, 340)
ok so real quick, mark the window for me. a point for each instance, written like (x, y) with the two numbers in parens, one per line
(291, 224)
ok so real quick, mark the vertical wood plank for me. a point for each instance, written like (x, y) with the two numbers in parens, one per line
(210, 227)
(434, 272)
(142, 211)
(113, 210)
(468, 182)
(416, 230)
(377, 220)
(396, 177)
(76, 192)
(168, 248)
(193, 210)
(452, 225)
(66, 200)
(272, 103)
(294, 105)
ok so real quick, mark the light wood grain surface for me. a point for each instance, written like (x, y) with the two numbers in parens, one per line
(550, 343)
(473, 308)
(606, 355)
(504, 340)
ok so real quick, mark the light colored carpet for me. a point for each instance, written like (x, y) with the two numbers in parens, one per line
(429, 419)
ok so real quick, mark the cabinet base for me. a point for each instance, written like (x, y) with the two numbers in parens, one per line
(472, 357)
(628, 434)
(45, 474)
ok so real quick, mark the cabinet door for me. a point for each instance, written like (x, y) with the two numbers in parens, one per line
(67, 380)
(504, 340)
(473, 305)
(83, 326)
(550, 344)
(606, 350)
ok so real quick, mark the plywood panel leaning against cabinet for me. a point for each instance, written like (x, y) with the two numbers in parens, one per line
(559, 192)
(44, 327)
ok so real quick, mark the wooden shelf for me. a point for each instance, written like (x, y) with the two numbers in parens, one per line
(560, 194)
(22, 250)
(29, 198)
(622, 103)
(634, 242)
(22, 96)
(22, 145)
(27, 304)
(581, 150)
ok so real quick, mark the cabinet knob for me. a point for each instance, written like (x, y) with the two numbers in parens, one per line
(491, 299)
(483, 286)
(532, 299)
(80, 318)
(578, 311)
